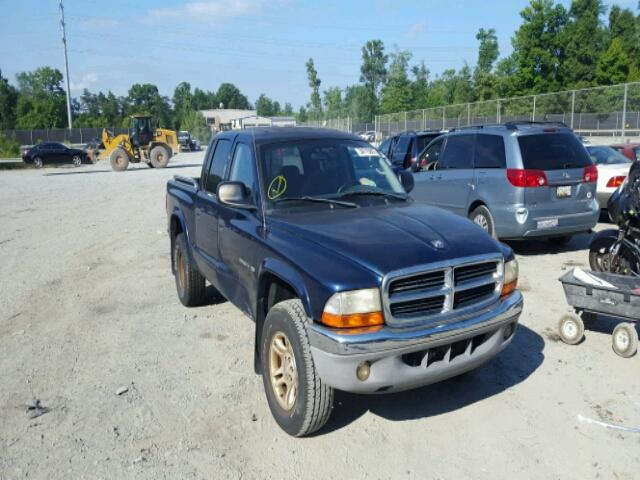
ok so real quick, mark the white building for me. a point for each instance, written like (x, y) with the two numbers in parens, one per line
(222, 118)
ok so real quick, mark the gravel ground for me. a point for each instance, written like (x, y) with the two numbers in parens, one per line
(88, 306)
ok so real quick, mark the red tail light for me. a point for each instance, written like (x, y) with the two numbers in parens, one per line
(615, 182)
(590, 174)
(527, 178)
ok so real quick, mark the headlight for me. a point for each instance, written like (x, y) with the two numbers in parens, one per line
(510, 277)
(354, 309)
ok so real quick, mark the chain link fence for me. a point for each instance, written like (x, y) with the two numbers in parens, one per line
(342, 124)
(612, 111)
(63, 135)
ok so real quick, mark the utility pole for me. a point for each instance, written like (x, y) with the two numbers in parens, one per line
(66, 65)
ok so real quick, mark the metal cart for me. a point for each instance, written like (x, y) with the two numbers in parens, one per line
(588, 300)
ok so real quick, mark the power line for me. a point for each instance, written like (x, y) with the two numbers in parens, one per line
(66, 65)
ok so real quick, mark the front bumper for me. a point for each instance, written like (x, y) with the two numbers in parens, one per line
(402, 359)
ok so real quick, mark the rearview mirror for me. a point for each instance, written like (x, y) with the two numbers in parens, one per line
(234, 194)
(406, 179)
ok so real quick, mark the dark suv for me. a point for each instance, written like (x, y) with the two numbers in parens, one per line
(403, 149)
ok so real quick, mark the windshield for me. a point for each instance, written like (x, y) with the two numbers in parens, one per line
(327, 168)
(552, 151)
(606, 156)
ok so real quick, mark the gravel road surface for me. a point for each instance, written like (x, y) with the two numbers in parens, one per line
(88, 309)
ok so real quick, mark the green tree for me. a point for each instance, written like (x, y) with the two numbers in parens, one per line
(204, 100)
(483, 78)
(626, 27)
(8, 104)
(614, 65)
(146, 99)
(420, 86)
(302, 115)
(288, 110)
(265, 106)
(538, 48)
(373, 72)
(41, 100)
(357, 103)
(583, 43)
(333, 102)
(229, 95)
(396, 94)
(182, 102)
(195, 123)
(315, 105)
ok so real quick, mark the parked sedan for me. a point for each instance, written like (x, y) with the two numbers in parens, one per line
(613, 168)
(53, 152)
(629, 150)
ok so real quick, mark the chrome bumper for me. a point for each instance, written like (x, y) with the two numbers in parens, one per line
(337, 355)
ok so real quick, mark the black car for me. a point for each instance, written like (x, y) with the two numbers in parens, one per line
(403, 149)
(53, 152)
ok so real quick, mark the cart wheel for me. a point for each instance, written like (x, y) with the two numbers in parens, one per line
(571, 329)
(625, 340)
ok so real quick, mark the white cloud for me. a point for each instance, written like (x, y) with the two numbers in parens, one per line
(210, 10)
(416, 30)
(86, 81)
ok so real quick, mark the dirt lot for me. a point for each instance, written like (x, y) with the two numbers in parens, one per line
(88, 305)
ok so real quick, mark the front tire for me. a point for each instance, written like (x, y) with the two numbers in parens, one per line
(76, 161)
(482, 217)
(299, 400)
(190, 284)
(159, 157)
(119, 159)
(37, 162)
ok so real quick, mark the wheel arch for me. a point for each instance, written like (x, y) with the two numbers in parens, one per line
(277, 282)
(177, 225)
(475, 204)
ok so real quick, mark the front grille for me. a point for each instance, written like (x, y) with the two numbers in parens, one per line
(441, 293)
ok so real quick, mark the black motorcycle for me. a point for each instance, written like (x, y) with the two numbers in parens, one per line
(618, 251)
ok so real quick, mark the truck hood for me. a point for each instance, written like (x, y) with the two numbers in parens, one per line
(388, 238)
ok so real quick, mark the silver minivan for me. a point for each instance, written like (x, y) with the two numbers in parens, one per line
(518, 180)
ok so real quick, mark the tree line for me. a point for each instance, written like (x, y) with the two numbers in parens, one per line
(555, 48)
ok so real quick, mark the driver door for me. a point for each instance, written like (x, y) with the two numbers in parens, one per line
(425, 175)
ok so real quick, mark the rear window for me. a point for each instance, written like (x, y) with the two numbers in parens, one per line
(556, 151)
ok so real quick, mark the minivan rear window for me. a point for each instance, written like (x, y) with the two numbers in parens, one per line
(553, 151)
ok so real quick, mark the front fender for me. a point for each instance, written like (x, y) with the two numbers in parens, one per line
(292, 277)
(603, 238)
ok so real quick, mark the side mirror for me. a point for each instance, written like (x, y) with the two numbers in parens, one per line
(406, 179)
(234, 194)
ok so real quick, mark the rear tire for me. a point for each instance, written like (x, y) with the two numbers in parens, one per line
(482, 217)
(119, 159)
(190, 284)
(159, 157)
(624, 340)
(287, 362)
(76, 161)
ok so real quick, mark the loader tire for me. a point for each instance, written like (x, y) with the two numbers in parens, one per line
(159, 157)
(119, 159)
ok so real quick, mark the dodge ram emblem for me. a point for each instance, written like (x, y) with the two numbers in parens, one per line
(439, 244)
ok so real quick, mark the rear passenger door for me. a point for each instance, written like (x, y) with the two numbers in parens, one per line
(207, 210)
(454, 174)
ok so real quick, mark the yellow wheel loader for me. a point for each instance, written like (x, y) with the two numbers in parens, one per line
(143, 143)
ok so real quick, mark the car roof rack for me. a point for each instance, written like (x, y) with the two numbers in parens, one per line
(471, 127)
(532, 123)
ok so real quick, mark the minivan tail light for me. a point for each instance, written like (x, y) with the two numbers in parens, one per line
(615, 182)
(590, 174)
(519, 177)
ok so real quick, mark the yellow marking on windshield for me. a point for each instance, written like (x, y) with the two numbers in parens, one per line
(277, 187)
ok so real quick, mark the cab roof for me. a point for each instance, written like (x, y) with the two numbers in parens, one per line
(263, 135)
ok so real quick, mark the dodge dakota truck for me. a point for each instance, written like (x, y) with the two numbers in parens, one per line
(351, 284)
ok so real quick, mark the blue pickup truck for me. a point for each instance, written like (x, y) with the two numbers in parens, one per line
(351, 284)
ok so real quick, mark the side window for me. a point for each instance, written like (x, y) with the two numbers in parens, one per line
(384, 147)
(458, 154)
(400, 150)
(242, 167)
(489, 152)
(218, 165)
(431, 156)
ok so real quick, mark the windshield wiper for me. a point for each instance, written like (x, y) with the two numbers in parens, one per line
(317, 200)
(379, 193)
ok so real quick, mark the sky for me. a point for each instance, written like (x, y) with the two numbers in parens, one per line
(259, 45)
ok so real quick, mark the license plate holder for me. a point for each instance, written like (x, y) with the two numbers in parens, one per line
(547, 223)
(563, 191)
